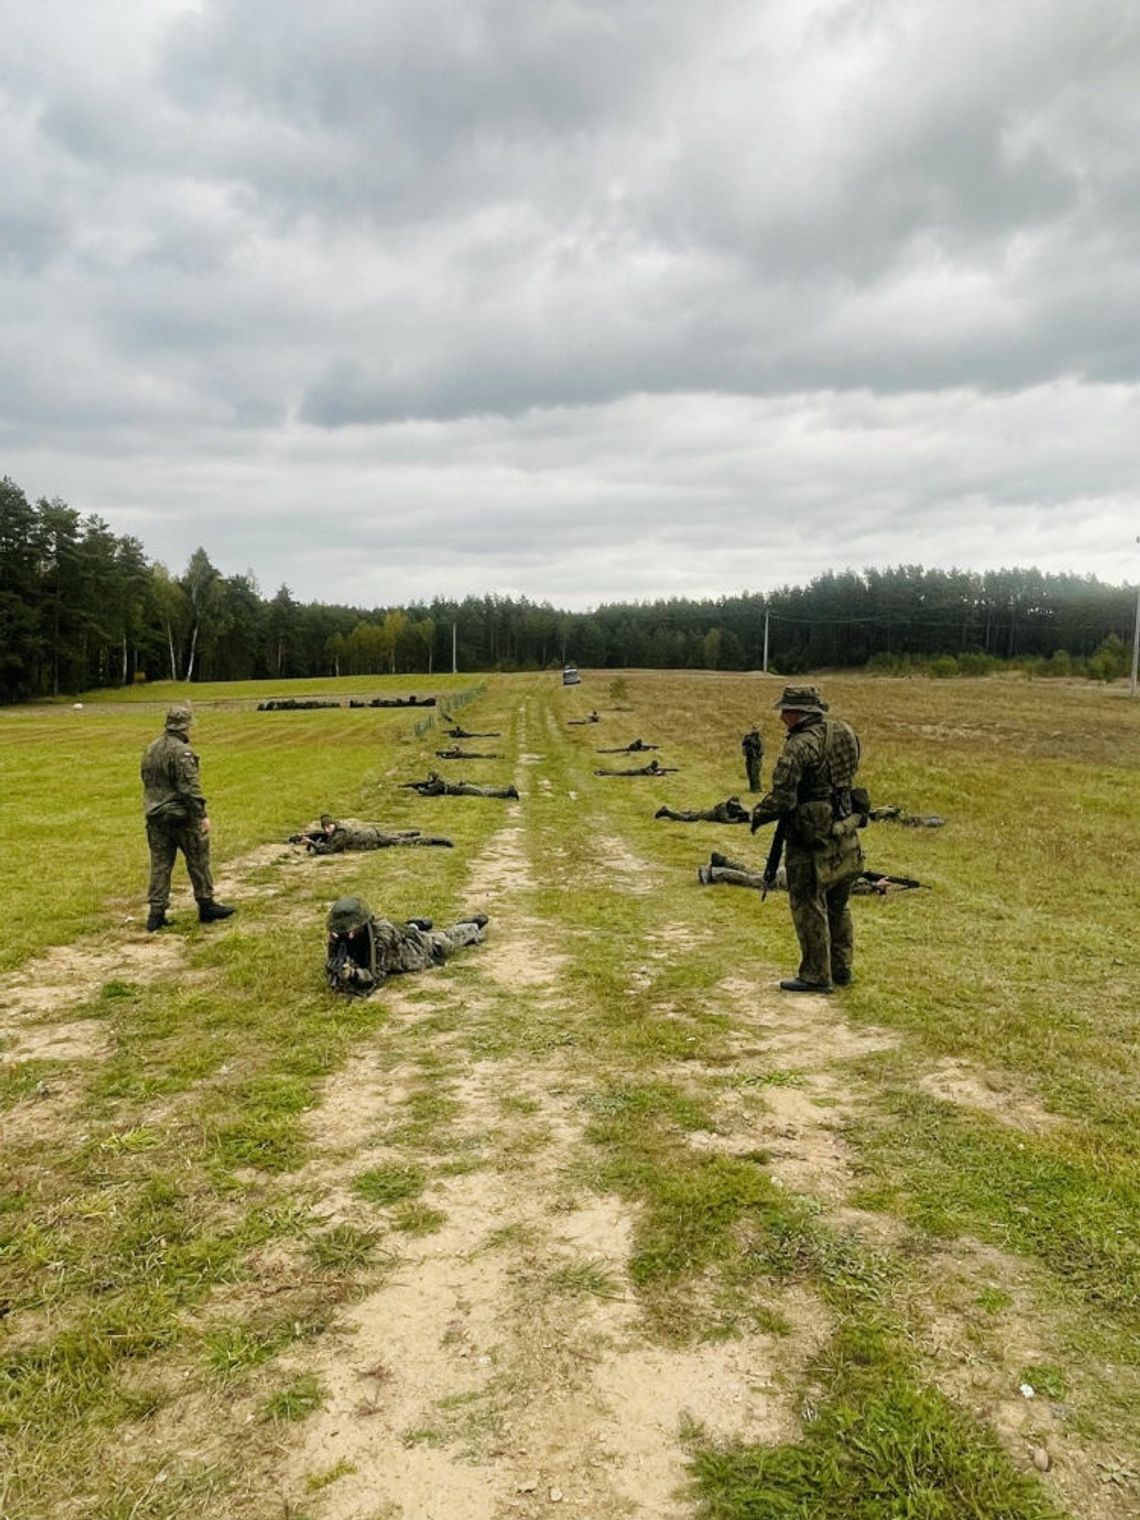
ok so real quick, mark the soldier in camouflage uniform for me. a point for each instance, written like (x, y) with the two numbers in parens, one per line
(176, 819)
(721, 871)
(811, 794)
(363, 950)
(635, 747)
(753, 746)
(654, 768)
(892, 814)
(455, 753)
(333, 836)
(436, 786)
(457, 731)
(729, 811)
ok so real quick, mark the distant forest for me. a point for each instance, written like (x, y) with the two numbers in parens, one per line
(82, 607)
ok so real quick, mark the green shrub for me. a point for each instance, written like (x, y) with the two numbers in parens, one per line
(974, 663)
(1110, 661)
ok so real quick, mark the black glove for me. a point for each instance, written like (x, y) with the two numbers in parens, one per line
(756, 823)
(420, 923)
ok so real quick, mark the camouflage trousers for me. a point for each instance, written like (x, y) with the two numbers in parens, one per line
(165, 838)
(822, 920)
(422, 948)
(752, 766)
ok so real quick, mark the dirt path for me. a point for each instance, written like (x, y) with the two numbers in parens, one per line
(481, 1381)
(505, 1367)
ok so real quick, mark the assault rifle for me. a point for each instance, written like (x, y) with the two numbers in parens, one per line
(772, 864)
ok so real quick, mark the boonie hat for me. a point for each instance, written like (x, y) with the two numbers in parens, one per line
(801, 699)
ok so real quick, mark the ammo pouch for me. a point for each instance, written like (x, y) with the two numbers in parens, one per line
(829, 829)
(809, 827)
(841, 857)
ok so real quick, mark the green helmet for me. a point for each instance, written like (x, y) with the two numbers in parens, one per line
(350, 961)
(348, 915)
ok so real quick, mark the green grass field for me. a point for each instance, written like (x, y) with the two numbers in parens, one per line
(592, 1211)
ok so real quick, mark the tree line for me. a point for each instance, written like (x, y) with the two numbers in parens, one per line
(81, 606)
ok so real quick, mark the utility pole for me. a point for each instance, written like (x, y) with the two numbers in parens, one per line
(454, 650)
(1135, 638)
(766, 620)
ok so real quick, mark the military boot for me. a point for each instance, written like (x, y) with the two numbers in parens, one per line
(210, 912)
(704, 875)
(797, 984)
(157, 920)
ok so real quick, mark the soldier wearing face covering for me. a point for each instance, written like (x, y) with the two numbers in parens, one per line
(364, 950)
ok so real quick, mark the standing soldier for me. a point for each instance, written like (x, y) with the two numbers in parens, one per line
(176, 819)
(812, 798)
(753, 746)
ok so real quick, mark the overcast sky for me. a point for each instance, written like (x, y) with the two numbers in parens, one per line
(579, 299)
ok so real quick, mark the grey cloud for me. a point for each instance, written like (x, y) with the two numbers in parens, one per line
(540, 287)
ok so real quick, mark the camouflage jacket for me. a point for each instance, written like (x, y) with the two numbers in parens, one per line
(819, 762)
(349, 834)
(170, 780)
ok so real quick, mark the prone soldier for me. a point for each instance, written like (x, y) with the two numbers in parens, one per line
(332, 836)
(721, 871)
(730, 810)
(457, 731)
(892, 814)
(363, 950)
(436, 786)
(654, 768)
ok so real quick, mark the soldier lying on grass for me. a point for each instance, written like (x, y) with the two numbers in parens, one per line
(728, 811)
(721, 871)
(634, 747)
(455, 753)
(908, 820)
(457, 731)
(654, 768)
(436, 786)
(332, 836)
(364, 950)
